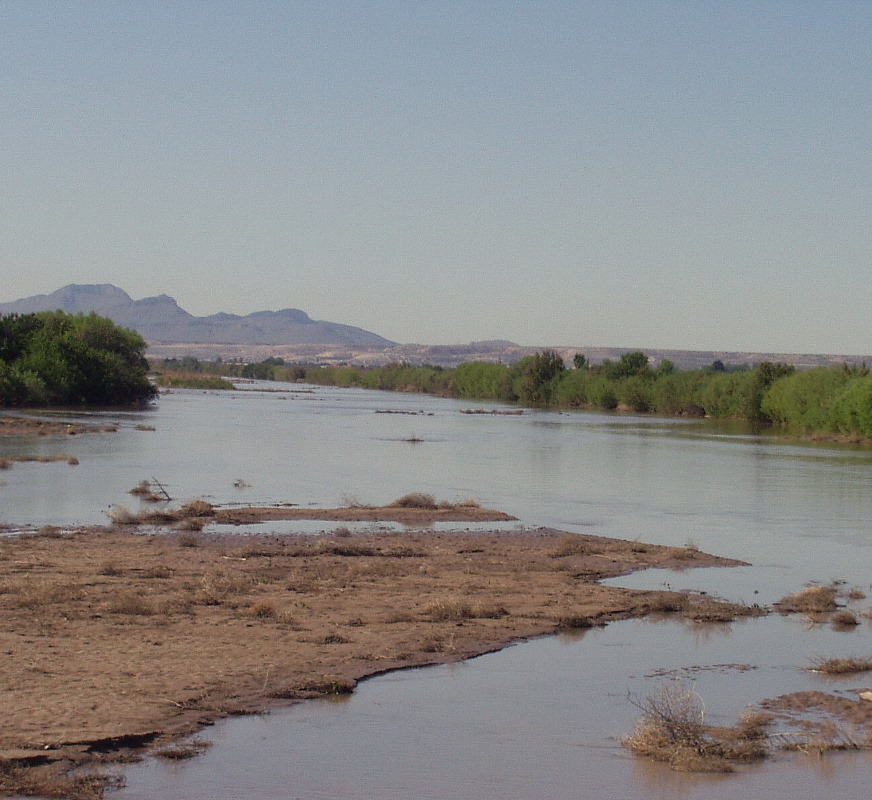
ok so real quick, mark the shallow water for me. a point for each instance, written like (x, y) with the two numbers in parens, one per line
(537, 720)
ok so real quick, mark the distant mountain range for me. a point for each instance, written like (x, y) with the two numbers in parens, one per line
(291, 334)
(160, 320)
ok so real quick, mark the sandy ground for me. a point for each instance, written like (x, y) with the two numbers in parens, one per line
(113, 637)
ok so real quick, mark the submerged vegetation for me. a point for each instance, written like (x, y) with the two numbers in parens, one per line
(53, 358)
(828, 400)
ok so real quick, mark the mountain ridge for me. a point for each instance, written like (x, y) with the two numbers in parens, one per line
(161, 320)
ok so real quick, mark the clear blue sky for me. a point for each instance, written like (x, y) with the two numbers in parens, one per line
(690, 174)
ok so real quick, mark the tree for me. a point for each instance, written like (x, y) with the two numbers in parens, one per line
(579, 361)
(533, 377)
(63, 359)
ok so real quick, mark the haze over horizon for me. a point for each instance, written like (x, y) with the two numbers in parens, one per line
(658, 174)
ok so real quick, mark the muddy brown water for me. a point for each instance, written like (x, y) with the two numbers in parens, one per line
(542, 719)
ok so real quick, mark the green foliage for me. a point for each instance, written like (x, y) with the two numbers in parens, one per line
(804, 399)
(579, 361)
(632, 363)
(533, 377)
(823, 399)
(477, 380)
(851, 410)
(63, 359)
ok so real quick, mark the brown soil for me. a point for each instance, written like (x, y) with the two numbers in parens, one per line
(17, 426)
(113, 639)
(407, 516)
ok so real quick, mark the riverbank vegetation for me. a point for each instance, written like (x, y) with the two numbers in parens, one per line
(54, 358)
(834, 401)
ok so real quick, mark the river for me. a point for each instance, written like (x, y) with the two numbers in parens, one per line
(542, 719)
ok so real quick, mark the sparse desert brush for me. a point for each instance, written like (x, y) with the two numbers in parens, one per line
(448, 610)
(574, 621)
(179, 752)
(672, 725)
(110, 569)
(73, 461)
(672, 729)
(144, 491)
(811, 599)
(121, 515)
(415, 500)
(188, 540)
(345, 549)
(708, 609)
(844, 620)
(263, 610)
(191, 524)
(197, 508)
(217, 587)
(665, 602)
(469, 502)
(840, 666)
(131, 604)
(342, 533)
(571, 545)
(158, 571)
(38, 594)
(50, 532)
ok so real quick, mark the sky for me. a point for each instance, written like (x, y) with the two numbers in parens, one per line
(688, 175)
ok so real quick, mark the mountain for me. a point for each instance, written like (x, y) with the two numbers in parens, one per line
(161, 320)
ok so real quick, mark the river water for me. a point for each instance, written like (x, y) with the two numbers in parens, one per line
(542, 719)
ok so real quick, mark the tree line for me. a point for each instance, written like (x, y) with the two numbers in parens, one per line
(836, 400)
(54, 358)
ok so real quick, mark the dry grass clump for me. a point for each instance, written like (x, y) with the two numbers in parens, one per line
(121, 515)
(188, 540)
(50, 532)
(20, 781)
(131, 604)
(191, 524)
(179, 752)
(708, 609)
(844, 620)
(811, 599)
(415, 500)
(197, 508)
(263, 610)
(468, 502)
(218, 587)
(449, 609)
(571, 545)
(144, 491)
(38, 594)
(673, 730)
(327, 546)
(158, 571)
(841, 666)
(110, 569)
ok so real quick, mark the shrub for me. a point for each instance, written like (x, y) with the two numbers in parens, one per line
(415, 500)
(812, 599)
(841, 666)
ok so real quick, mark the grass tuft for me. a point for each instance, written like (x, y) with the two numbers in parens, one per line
(841, 666)
(811, 599)
(415, 500)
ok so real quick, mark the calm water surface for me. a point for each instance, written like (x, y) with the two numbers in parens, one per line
(537, 720)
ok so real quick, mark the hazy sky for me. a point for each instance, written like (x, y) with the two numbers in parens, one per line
(657, 174)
